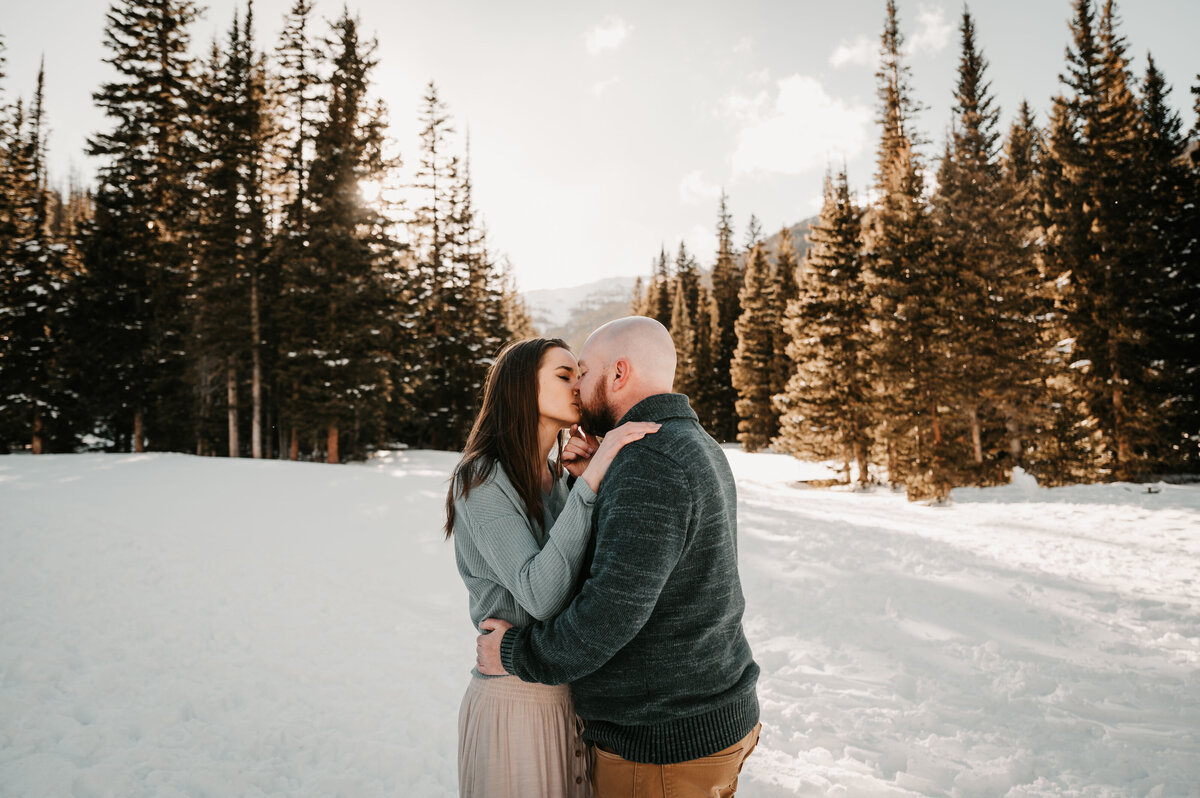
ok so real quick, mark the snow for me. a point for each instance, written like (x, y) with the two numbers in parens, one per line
(182, 626)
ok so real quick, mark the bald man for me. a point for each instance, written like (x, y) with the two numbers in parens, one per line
(652, 644)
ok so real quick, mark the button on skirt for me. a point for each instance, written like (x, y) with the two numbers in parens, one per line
(520, 739)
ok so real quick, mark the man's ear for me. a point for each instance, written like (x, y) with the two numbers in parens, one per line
(621, 374)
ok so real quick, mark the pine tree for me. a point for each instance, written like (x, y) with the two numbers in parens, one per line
(232, 244)
(484, 330)
(137, 255)
(296, 88)
(827, 408)
(753, 358)
(754, 235)
(659, 297)
(340, 354)
(1189, 316)
(784, 291)
(727, 280)
(1175, 299)
(1096, 248)
(907, 285)
(446, 390)
(994, 346)
(637, 299)
(516, 314)
(35, 269)
(684, 307)
(684, 336)
(702, 358)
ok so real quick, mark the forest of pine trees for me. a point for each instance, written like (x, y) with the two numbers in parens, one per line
(242, 279)
(1027, 299)
(236, 282)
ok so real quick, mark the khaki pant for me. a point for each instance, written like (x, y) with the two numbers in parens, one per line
(714, 776)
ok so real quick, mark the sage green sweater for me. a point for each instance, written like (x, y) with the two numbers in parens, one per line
(516, 570)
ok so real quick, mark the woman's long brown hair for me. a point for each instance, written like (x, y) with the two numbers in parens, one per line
(506, 429)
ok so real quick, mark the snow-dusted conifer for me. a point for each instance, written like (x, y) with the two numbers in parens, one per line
(727, 279)
(754, 357)
(826, 408)
(138, 249)
(912, 306)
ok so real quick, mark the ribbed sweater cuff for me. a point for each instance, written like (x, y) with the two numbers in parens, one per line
(585, 491)
(506, 650)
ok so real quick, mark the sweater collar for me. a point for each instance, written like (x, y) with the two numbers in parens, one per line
(660, 407)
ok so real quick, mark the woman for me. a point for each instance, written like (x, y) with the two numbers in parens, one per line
(520, 529)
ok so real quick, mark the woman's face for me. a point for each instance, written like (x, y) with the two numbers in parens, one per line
(558, 390)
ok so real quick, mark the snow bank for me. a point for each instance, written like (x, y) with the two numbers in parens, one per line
(178, 626)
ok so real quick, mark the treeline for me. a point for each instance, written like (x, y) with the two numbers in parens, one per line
(1035, 305)
(250, 275)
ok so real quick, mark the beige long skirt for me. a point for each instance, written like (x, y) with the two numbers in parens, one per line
(520, 740)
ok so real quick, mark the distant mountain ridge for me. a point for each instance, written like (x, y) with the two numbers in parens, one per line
(572, 313)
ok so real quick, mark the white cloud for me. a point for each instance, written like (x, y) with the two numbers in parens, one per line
(933, 32)
(696, 188)
(602, 86)
(608, 35)
(932, 36)
(741, 107)
(803, 131)
(744, 44)
(862, 51)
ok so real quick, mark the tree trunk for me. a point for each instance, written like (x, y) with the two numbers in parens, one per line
(1124, 460)
(139, 425)
(294, 448)
(231, 395)
(37, 430)
(1015, 447)
(860, 454)
(976, 434)
(256, 440)
(332, 446)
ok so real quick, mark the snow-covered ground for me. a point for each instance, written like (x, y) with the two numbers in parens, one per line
(178, 626)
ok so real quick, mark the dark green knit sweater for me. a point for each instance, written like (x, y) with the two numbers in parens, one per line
(652, 644)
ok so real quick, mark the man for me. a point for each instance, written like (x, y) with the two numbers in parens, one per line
(652, 645)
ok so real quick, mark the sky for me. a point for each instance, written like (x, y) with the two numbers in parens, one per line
(600, 132)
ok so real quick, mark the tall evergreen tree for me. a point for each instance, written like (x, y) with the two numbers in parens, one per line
(727, 280)
(343, 304)
(827, 409)
(1189, 317)
(1109, 283)
(660, 298)
(684, 335)
(452, 357)
(907, 285)
(233, 242)
(637, 298)
(1167, 246)
(684, 308)
(296, 93)
(138, 253)
(784, 290)
(703, 392)
(994, 346)
(753, 359)
(36, 267)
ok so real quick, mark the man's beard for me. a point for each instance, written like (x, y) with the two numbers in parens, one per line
(596, 417)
